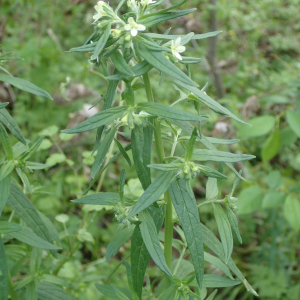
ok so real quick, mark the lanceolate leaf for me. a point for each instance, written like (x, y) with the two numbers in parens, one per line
(217, 263)
(49, 291)
(8, 227)
(11, 125)
(3, 272)
(28, 237)
(99, 199)
(224, 230)
(140, 146)
(117, 241)
(150, 238)
(4, 191)
(33, 148)
(2, 105)
(102, 118)
(113, 292)
(186, 208)
(123, 151)
(23, 207)
(24, 85)
(121, 65)
(102, 42)
(6, 143)
(161, 110)
(161, 63)
(233, 222)
(153, 192)
(102, 151)
(216, 281)
(6, 169)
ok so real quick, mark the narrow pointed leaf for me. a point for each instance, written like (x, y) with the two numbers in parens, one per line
(37, 166)
(153, 192)
(2, 105)
(11, 125)
(166, 111)
(185, 205)
(221, 141)
(113, 292)
(121, 65)
(33, 148)
(102, 42)
(51, 228)
(99, 199)
(24, 85)
(217, 263)
(25, 180)
(4, 191)
(4, 139)
(123, 151)
(233, 222)
(102, 118)
(102, 151)
(3, 272)
(130, 282)
(6, 169)
(48, 291)
(8, 227)
(212, 295)
(150, 238)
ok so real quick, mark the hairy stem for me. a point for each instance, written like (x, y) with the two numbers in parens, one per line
(161, 155)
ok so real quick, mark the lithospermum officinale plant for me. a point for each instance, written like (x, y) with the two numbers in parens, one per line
(125, 41)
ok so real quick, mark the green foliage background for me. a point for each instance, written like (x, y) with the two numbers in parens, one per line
(259, 55)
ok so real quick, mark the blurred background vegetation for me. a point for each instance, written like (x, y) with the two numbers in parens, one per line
(254, 70)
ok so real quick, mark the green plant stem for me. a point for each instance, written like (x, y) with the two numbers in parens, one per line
(161, 156)
(12, 292)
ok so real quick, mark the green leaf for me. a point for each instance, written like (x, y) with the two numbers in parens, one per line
(36, 166)
(48, 291)
(6, 143)
(141, 144)
(6, 169)
(51, 228)
(151, 45)
(101, 42)
(217, 263)
(123, 151)
(211, 189)
(294, 120)
(224, 230)
(24, 180)
(24, 85)
(206, 35)
(99, 199)
(33, 148)
(31, 293)
(28, 237)
(169, 293)
(23, 207)
(260, 126)
(102, 151)
(233, 222)
(208, 101)
(166, 111)
(271, 147)
(113, 292)
(150, 238)
(3, 272)
(250, 200)
(216, 281)
(11, 125)
(210, 172)
(121, 65)
(160, 62)
(212, 295)
(4, 191)
(167, 167)
(273, 199)
(153, 192)
(288, 136)
(186, 208)
(2, 105)
(117, 241)
(8, 227)
(99, 119)
(292, 212)
(156, 18)
(221, 141)
(220, 156)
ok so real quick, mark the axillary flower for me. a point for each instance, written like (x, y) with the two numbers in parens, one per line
(176, 48)
(147, 2)
(133, 27)
(103, 10)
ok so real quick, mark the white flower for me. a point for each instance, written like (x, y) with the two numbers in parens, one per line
(103, 10)
(177, 48)
(133, 27)
(147, 2)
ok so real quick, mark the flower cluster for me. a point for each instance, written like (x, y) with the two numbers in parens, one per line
(103, 10)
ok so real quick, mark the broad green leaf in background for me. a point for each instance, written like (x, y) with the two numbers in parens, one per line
(260, 126)
(220, 156)
(11, 125)
(48, 291)
(4, 191)
(288, 136)
(3, 272)
(250, 199)
(150, 238)
(185, 205)
(292, 212)
(273, 199)
(271, 147)
(274, 179)
(99, 119)
(28, 237)
(8, 227)
(111, 291)
(102, 151)
(99, 199)
(6, 143)
(23, 207)
(293, 118)
(117, 241)
(162, 110)
(224, 230)
(233, 222)
(154, 191)
(24, 85)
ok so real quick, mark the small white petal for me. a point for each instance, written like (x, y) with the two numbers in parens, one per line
(178, 56)
(131, 21)
(134, 32)
(178, 41)
(180, 49)
(127, 27)
(141, 27)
